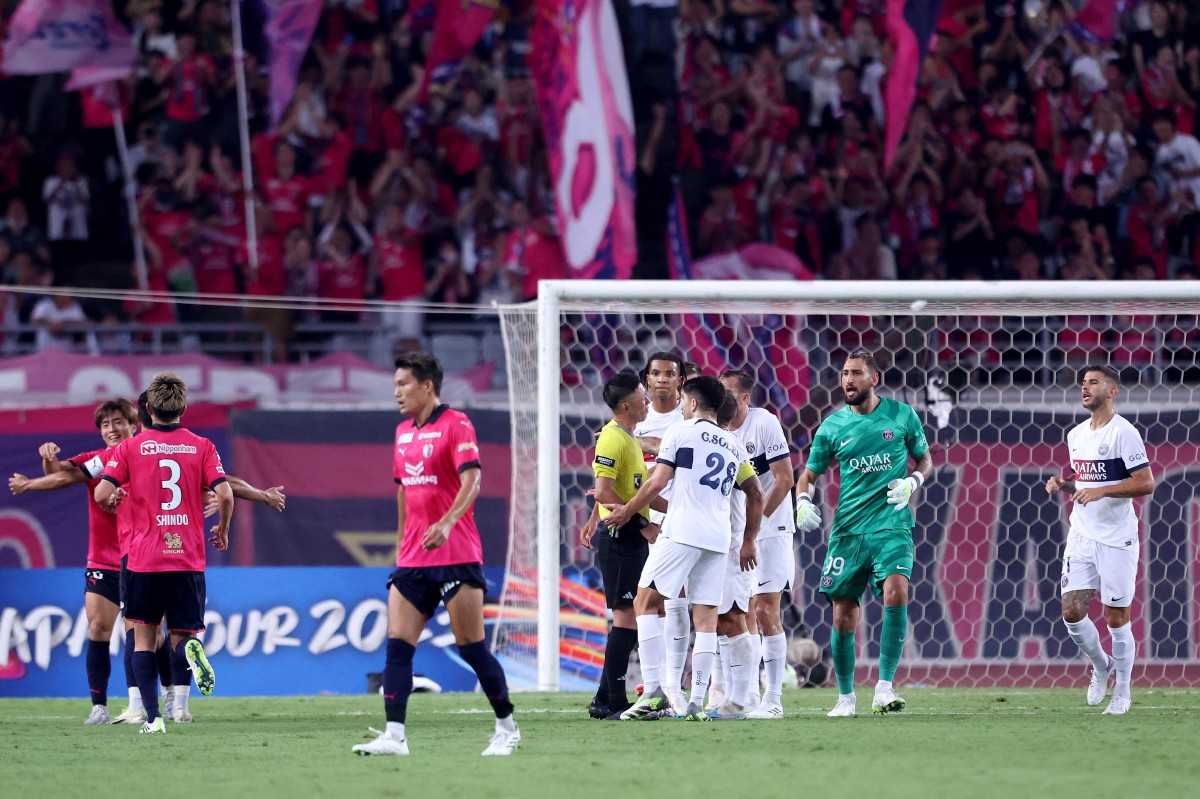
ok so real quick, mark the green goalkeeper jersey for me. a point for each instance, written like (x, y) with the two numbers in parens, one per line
(871, 451)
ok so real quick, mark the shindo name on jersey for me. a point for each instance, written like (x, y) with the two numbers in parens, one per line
(871, 463)
(173, 520)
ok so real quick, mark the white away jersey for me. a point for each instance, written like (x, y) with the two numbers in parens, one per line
(708, 462)
(762, 437)
(656, 424)
(1099, 458)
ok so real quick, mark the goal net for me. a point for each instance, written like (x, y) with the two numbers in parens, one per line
(992, 369)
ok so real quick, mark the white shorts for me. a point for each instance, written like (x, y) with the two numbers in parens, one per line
(1088, 564)
(776, 565)
(673, 566)
(737, 585)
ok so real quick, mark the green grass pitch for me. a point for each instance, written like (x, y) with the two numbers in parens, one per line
(961, 743)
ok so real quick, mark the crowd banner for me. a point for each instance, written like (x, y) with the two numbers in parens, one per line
(61, 35)
(289, 30)
(578, 67)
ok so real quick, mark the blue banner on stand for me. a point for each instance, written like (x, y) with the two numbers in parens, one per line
(271, 631)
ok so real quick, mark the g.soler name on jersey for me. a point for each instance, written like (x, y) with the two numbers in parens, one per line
(415, 475)
(871, 463)
(155, 448)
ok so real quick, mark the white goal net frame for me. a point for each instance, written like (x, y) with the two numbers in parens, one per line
(994, 365)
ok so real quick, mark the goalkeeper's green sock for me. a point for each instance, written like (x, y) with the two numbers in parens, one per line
(843, 661)
(891, 640)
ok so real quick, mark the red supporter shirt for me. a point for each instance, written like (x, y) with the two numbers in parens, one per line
(104, 549)
(188, 100)
(401, 268)
(271, 278)
(430, 460)
(167, 468)
(214, 268)
(288, 200)
(342, 283)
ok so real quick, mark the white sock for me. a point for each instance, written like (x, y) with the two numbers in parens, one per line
(135, 700)
(720, 676)
(1087, 638)
(755, 659)
(395, 730)
(650, 652)
(704, 653)
(676, 631)
(506, 724)
(774, 662)
(181, 698)
(740, 652)
(1124, 651)
(883, 685)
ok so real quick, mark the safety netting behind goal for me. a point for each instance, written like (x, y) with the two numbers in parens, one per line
(997, 387)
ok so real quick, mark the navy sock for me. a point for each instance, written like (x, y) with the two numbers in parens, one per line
(162, 660)
(146, 671)
(181, 674)
(621, 642)
(397, 679)
(99, 668)
(130, 679)
(490, 674)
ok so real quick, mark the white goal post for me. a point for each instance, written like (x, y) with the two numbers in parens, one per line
(1044, 315)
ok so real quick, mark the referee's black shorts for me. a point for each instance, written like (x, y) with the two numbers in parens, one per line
(621, 560)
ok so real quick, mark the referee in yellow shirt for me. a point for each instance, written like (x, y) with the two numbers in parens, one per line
(619, 469)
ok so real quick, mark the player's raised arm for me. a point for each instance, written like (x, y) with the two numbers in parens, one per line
(50, 462)
(274, 496)
(51, 481)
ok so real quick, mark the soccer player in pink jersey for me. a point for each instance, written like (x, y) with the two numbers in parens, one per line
(167, 470)
(440, 557)
(116, 420)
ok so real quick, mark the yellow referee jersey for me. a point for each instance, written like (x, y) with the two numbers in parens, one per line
(619, 456)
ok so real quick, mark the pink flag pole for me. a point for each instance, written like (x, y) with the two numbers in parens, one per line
(239, 61)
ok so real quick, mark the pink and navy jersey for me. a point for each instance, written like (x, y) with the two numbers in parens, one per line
(104, 551)
(430, 460)
(1099, 458)
(166, 471)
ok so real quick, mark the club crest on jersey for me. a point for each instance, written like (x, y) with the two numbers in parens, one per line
(1103, 449)
(826, 582)
(750, 447)
(889, 434)
(1065, 580)
(427, 450)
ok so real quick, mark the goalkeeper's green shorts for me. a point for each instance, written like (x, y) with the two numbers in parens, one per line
(853, 561)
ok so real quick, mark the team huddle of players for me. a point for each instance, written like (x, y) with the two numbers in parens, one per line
(694, 489)
(150, 487)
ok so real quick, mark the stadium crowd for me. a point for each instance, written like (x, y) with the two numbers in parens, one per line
(1033, 152)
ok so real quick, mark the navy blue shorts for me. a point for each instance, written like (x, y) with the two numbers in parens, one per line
(426, 586)
(124, 580)
(105, 582)
(179, 596)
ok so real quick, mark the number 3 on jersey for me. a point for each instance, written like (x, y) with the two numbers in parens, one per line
(171, 484)
(713, 478)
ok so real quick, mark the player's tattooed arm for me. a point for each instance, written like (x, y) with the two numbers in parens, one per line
(1056, 484)
(924, 467)
(649, 445)
(755, 502)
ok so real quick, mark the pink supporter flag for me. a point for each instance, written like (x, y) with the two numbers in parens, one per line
(459, 25)
(61, 35)
(910, 29)
(289, 30)
(578, 66)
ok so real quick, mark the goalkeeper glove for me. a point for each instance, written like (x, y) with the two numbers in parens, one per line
(900, 491)
(808, 518)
